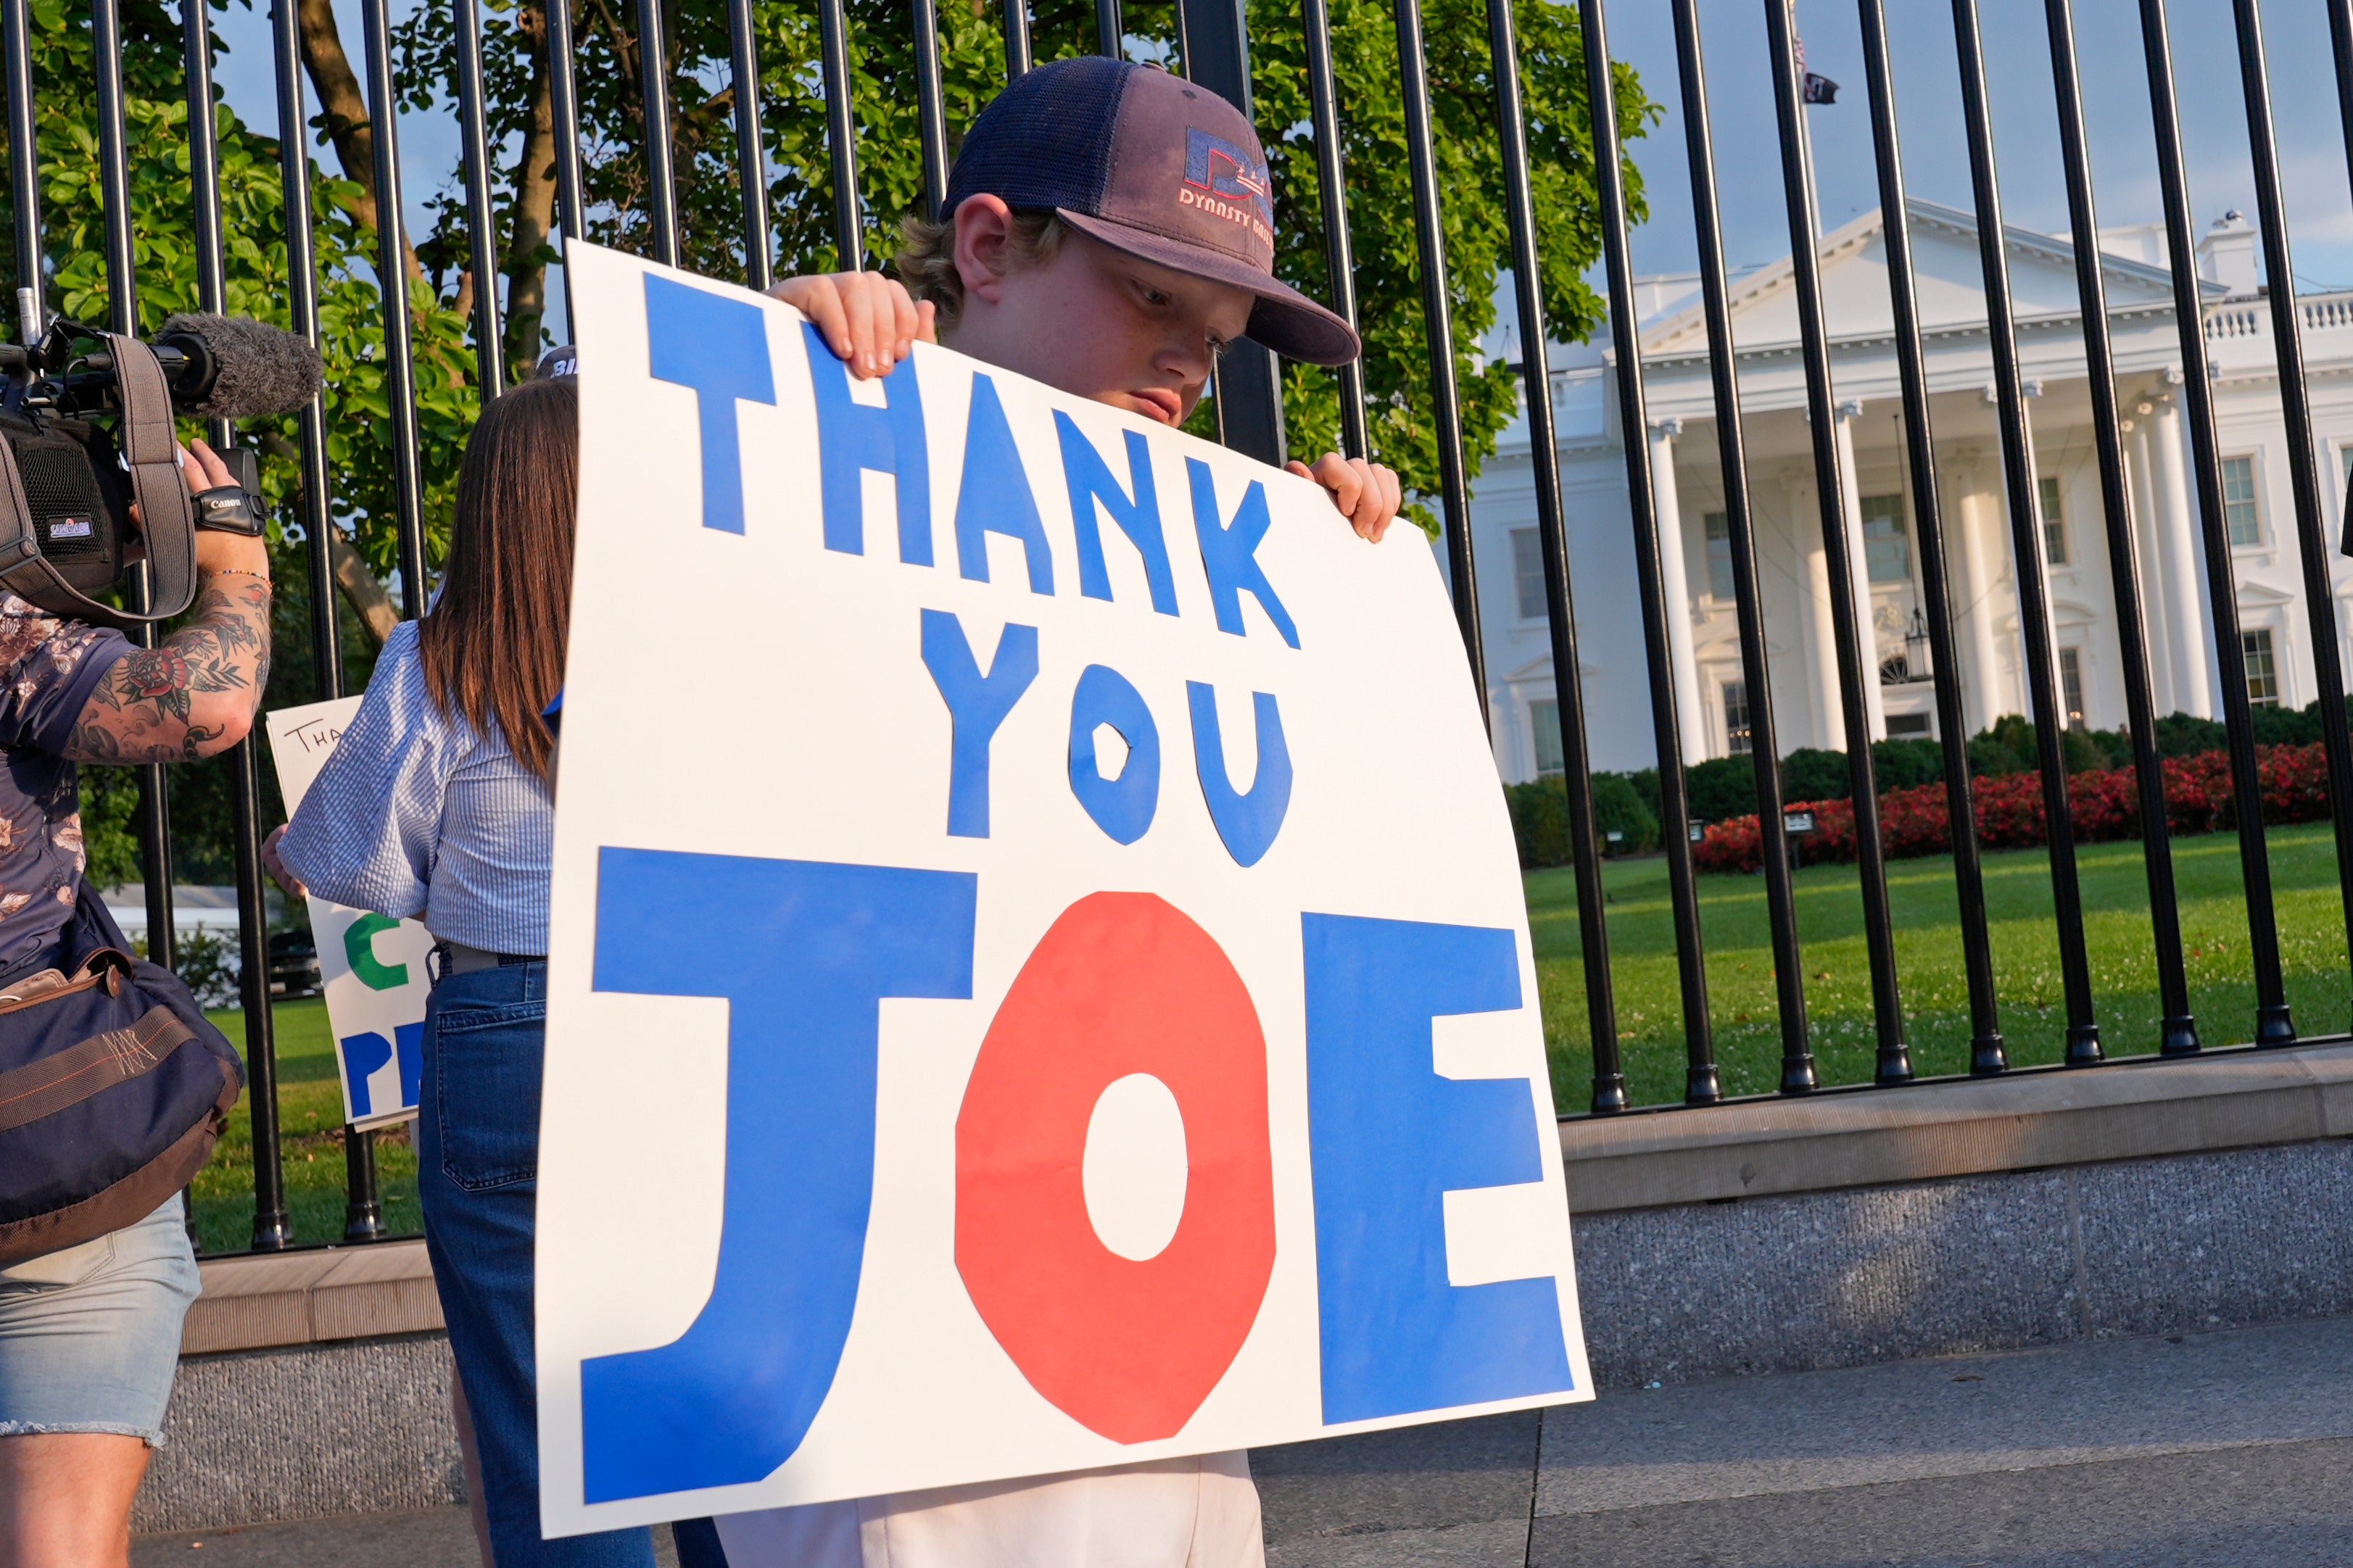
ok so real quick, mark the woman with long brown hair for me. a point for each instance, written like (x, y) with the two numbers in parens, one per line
(438, 803)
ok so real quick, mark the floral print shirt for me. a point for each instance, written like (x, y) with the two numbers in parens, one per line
(49, 668)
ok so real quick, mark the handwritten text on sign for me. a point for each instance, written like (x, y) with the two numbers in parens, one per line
(1038, 971)
(371, 966)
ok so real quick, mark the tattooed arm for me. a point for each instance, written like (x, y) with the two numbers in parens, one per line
(195, 693)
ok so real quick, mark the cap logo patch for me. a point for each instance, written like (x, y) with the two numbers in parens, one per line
(1228, 182)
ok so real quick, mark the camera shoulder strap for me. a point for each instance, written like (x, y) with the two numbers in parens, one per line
(151, 451)
(19, 543)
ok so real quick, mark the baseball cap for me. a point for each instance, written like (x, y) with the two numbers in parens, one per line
(564, 360)
(1154, 166)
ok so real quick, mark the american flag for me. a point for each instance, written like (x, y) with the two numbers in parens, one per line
(1815, 89)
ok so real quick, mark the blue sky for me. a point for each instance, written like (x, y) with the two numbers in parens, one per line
(2115, 92)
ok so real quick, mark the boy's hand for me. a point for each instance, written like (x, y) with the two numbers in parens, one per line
(1366, 493)
(869, 319)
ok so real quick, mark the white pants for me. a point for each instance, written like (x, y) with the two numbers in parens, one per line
(1172, 1513)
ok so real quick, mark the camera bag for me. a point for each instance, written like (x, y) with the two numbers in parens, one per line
(113, 1088)
(59, 542)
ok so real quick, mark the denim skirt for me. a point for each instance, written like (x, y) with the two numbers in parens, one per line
(90, 1335)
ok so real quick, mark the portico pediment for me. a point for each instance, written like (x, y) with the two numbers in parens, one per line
(1949, 283)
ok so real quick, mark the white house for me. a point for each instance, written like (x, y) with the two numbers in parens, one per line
(1884, 540)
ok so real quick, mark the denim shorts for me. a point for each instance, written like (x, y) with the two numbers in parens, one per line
(90, 1335)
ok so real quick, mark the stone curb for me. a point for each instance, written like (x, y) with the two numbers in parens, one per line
(2030, 1121)
(253, 1301)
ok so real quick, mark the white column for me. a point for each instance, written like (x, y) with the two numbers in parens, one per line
(1690, 718)
(2191, 619)
(1978, 510)
(1816, 625)
(1859, 568)
(2156, 628)
(2033, 389)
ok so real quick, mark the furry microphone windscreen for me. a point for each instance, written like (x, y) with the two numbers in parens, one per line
(256, 369)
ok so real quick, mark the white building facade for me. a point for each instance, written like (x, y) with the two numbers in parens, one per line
(1880, 513)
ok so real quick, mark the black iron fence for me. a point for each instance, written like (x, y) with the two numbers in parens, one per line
(1212, 43)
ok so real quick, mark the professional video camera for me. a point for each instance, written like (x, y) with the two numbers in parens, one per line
(85, 432)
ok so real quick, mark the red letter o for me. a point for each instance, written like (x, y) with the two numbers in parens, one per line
(1121, 984)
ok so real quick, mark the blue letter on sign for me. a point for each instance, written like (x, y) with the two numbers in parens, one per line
(1229, 552)
(1248, 822)
(995, 497)
(977, 704)
(365, 1054)
(1090, 480)
(853, 439)
(802, 952)
(1388, 1139)
(718, 346)
(1121, 807)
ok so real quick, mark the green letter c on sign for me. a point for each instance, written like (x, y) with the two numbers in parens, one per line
(359, 946)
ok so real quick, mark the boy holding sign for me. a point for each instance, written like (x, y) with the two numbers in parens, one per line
(1108, 231)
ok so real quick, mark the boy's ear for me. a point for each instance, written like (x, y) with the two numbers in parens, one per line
(984, 226)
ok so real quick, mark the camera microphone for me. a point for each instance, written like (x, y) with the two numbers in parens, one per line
(233, 367)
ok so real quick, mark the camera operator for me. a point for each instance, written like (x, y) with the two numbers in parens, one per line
(90, 1335)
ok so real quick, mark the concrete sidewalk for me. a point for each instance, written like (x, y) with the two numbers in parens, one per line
(2218, 1449)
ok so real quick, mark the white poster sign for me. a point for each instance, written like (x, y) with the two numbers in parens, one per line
(1039, 974)
(372, 966)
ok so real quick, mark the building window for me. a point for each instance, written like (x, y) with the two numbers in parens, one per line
(1886, 539)
(1544, 722)
(2262, 670)
(1719, 555)
(1527, 572)
(2054, 523)
(1736, 718)
(1903, 725)
(2239, 513)
(2071, 685)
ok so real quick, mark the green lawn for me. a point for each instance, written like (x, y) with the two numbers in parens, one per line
(1928, 958)
(1642, 963)
(311, 1114)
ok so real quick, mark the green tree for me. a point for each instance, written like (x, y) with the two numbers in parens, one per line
(252, 205)
(801, 199)
(351, 316)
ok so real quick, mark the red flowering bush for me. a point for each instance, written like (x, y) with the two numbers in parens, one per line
(2102, 804)
(1731, 846)
(1915, 822)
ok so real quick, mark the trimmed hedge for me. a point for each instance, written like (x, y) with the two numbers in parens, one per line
(2101, 804)
(1540, 818)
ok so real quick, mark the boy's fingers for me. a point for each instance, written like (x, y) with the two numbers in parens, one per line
(926, 326)
(816, 299)
(858, 305)
(1348, 482)
(910, 321)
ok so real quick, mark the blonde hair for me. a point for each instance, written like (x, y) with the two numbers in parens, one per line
(927, 254)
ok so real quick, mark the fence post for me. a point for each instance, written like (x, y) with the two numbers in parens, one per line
(1250, 385)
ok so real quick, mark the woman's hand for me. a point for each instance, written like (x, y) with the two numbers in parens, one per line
(1367, 494)
(275, 864)
(869, 319)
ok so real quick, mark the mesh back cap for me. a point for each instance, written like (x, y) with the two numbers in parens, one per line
(1154, 166)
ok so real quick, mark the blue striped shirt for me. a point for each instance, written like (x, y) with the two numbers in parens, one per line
(416, 813)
